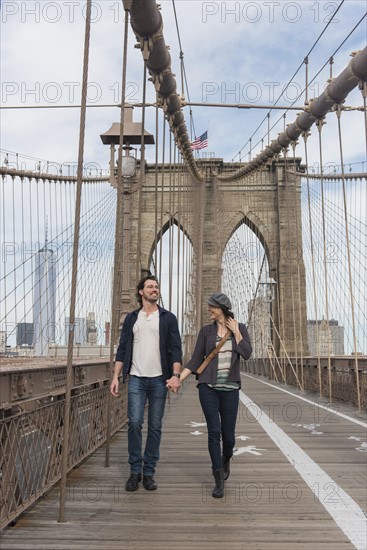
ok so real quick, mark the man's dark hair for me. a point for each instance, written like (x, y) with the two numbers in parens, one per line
(141, 284)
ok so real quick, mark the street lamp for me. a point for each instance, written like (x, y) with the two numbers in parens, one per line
(268, 289)
(268, 294)
(132, 136)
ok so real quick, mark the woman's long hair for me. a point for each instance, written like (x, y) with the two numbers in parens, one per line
(227, 312)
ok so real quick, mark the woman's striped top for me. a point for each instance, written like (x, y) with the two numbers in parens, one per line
(224, 365)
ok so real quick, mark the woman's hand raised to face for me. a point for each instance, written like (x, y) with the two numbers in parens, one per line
(232, 325)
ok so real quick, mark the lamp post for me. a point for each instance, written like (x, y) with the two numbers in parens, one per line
(268, 294)
(133, 134)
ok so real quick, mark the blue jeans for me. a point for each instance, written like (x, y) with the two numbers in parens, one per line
(220, 410)
(140, 390)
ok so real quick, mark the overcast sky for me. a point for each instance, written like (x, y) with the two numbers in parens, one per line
(234, 52)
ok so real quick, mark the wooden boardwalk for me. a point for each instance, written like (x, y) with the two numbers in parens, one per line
(298, 481)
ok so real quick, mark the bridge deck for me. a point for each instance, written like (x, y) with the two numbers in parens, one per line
(271, 502)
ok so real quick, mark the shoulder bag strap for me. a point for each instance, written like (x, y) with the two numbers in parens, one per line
(211, 355)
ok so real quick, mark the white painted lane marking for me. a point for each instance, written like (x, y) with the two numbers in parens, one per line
(310, 427)
(328, 409)
(342, 508)
(252, 449)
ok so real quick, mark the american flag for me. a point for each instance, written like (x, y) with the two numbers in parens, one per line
(201, 142)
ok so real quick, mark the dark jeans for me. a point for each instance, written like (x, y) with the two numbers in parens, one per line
(220, 410)
(140, 390)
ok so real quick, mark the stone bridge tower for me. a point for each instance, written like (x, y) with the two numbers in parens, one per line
(268, 202)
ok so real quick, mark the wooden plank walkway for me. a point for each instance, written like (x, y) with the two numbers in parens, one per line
(268, 503)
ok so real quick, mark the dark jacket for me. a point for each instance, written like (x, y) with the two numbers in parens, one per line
(206, 342)
(169, 342)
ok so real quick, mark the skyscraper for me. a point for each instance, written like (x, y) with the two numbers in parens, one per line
(44, 300)
(80, 331)
(325, 337)
(2, 341)
(25, 334)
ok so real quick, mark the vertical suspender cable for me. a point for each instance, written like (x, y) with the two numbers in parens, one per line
(306, 86)
(268, 117)
(319, 127)
(179, 190)
(185, 252)
(162, 197)
(300, 318)
(291, 274)
(155, 255)
(14, 255)
(170, 221)
(305, 136)
(69, 366)
(364, 93)
(4, 178)
(56, 221)
(62, 203)
(338, 113)
(23, 244)
(172, 227)
(199, 250)
(290, 270)
(280, 294)
(41, 286)
(38, 215)
(142, 174)
(114, 320)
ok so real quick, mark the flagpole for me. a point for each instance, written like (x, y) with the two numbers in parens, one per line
(207, 132)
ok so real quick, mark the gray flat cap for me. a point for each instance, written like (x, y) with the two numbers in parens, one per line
(218, 299)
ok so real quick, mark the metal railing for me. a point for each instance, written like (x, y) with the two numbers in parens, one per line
(313, 375)
(31, 439)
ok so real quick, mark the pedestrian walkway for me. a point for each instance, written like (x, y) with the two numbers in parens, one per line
(298, 481)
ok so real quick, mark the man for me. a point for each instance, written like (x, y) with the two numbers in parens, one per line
(149, 354)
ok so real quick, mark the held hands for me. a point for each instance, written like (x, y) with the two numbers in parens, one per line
(173, 384)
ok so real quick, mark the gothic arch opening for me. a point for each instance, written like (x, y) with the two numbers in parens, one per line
(246, 280)
(171, 260)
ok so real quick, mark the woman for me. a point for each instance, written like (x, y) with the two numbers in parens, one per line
(219, 382)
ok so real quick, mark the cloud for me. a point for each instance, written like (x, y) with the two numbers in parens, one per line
(236, 52)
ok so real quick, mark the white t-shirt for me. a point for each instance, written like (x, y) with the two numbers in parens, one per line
(146, 360)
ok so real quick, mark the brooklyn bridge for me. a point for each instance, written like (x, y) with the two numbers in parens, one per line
(280, 228)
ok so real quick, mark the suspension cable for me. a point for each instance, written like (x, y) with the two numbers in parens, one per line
(351, 293)
(298, 69)
(320, 124)
(69, 370)
(120, 245)
(305, 137)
